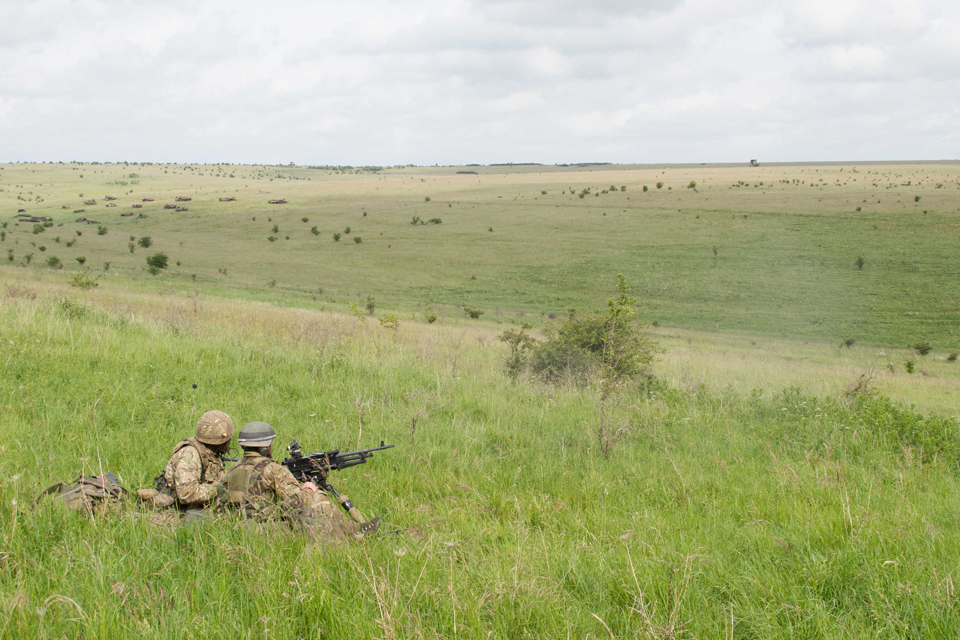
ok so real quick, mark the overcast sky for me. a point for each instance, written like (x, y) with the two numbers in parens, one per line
(455, 82)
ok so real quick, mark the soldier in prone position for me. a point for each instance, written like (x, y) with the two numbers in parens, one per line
(264, 490)
(195, 469)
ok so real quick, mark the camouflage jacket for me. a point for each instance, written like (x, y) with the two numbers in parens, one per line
(263, 490)
(193, 473)
(258, 486)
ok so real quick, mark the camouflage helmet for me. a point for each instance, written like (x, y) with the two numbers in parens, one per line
(214, 427)
(256, 434)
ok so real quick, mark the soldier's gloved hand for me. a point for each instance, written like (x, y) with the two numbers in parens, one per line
(309, 486)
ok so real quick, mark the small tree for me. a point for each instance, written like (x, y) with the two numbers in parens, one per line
(54, 262)
(81, 260)
(131, 246)
(371, 305)
(692, 185)
(916, 198)
(101, 231)
(922, 348)
(860, 262)
(38, 228)
(473, 312)
(158, 260)
(336, 237)
(276, 228)
(520, 345)
(659, 185)
(357, 239)
(146, 242)
(646, 188)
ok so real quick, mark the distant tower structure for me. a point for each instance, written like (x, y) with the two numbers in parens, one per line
(754, 163)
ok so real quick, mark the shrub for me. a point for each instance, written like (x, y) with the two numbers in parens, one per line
(847, 343)
(389, 322)
(646, 188)
(276, 228)
(54, 262)
(272, 283)
(473, 312)
(336, 237)
(435, 221)
(916, 198)
(612, 345)
(81, 259)
(304, 219)
(909, 365)
(371, 305)
(520, 345)
(3, 236)
(415, 220)
(38, 228)
(922, 348)
(152, 270)
(357, 239)
(543, 193)
(158, 260)
(82, 280)
(80, 233)
(952, 357)
(132, 238)
(860, 262)
(426, 199)
(692, 185)
(659, 185)
(272, 238)
(623, 188)
(346, 231)
(106, 265)
(27, 258)
(315, 231)
(101, 231)
(131, 246)
(146, 242)
(70, 243)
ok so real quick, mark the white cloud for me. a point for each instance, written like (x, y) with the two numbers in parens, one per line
(478, 81)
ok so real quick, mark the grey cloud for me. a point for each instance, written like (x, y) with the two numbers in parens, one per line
(462, 82)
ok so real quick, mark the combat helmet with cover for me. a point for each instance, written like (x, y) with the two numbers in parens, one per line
(255, 435)
(214, 427)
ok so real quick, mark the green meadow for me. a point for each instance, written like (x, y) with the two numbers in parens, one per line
(790, 471)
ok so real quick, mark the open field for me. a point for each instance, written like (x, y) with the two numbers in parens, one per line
(720, 515)
(767, 251)
(754, 490)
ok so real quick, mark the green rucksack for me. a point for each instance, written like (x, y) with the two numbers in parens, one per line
(91, 493)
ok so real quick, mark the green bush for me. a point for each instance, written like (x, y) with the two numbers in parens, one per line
(613, 345)
(54, 262)
(38, 228)
(910, 365)
(346, 231)
(473, 312)
(101, 231)
(272, 238)
(276, 228)
(646, 188)
(860, 262)
(520, 344)
(692, 185)
(336, 237)
(81, 259)
(659, 185)
(357, 239)
(922, 348)
(146, 242)
(304, 219)
(131, 246)
(371, 305)
(315, 231)
(82, 280)
(158, 260)
(952, 357)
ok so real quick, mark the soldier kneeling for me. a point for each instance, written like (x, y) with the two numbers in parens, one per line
(263, 490)
(190, 479)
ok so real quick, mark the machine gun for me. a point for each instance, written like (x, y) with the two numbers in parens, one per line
(316, 467)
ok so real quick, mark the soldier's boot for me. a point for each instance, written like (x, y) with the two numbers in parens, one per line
(371, 526)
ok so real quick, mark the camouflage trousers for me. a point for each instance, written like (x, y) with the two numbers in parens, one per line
(322, 519)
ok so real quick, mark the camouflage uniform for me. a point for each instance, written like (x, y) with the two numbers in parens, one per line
(263, 490)
(192, 475)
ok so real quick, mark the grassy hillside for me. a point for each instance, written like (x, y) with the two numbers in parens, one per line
(716, 514)
(760, 251)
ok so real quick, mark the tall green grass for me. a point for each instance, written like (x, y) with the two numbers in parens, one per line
(717, 515)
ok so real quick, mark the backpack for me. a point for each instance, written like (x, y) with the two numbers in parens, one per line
(91, 493)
